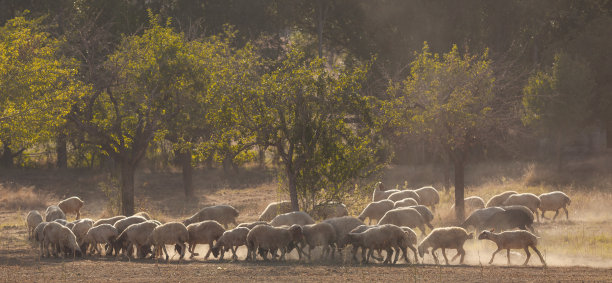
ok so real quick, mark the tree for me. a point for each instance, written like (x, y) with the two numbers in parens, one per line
(560, 102)
(149, 72)
(37, 85)
(448, 100)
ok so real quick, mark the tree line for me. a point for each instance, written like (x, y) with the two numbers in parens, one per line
(335, 90)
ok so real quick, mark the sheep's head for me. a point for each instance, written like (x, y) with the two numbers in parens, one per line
(485, 235)
(423, 250)
(361, 217)
(215, 251)
(380, 186)
(296, 232)
(470, 236)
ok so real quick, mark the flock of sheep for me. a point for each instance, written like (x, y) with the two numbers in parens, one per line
(280, 229)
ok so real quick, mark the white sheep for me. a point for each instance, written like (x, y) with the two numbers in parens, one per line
(554, 201)
(383, 237)
(405, 216)
(224, 214)
(357, 244)
(329, 210)
(445, 238)
(136, 235)
(103, 233)
(111, 220)
(80, 229)
(411, 242)
(320, 234)
(39, 236)
(71, 205)
(171, 233)
(273, 238)
(205, 232)
(62, 240)
(518, 239)
(342, 226)
(231, 239)
(32, 220)
(61, 221)
(275, 208)
(295, 217)
(471, 204)
(405, 203)
(528, 200)
(251, 225)
(498, 200)
(143, 214)
(428, 196)
(126, 222)
(427, 215)
(479, 216)
(514, 216)
(376, 210)
(397, 196)
(53, 212)
(381, 193)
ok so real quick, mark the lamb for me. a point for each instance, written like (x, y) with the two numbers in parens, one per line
(528, 200)
(320, 234)
(356, 243)
(103, 233)
(205, 232)
(231, 239)
(143, 214)
(171, 233)
(275, 208)
(397, 196)
(387, 237)
(512, 217)
(478, 217)
(342, 226)
(554, 201)
(273, 238)
(223, 214)
(71, 205)
(429, 196)
(54, 212)
(445, 238)
(32, 220)
(405, 203)
(472, 203)
(498, 200)
(376, 210)
(425, 213)
(329, 210)
(381, 193)
(405, 216)
(61, 238)
(251, 225)
(513, 240)
(136, 235)
(111, 220)
(297, 217)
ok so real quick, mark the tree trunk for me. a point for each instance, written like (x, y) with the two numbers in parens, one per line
(559, 152)
(293, 190)
(127, 188)
(447, 167)
(320, 26)
(459, 188)
(187, 173)
(62, 152)
(262, 157)
(6, 160)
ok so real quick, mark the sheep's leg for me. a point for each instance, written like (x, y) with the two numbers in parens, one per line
(539, 254)
(537, 215)
(456, 256)
(444, 254)
(234, 256)
(355, 252)
(183, 247)
(397, 253)
(494, 253)
(528, 255)
(555, 217)
(192, 251)
(433, 253)
(414, 251)
(367, 258)
(462, 251)
(210, 245)
(429, 225)
(566, 213)
(544, 217)
(508, 255)
(389, 255)
(163, 246)
(283, 252)
(422, 228)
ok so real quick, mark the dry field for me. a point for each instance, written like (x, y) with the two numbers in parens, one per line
(576, 250)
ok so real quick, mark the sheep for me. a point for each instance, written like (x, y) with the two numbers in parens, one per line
(511, 217)
(223, 214)
(295, 217)
(205, 232)
(411, 242)
(111, 220)
(329, 210)
(404, 216)
(71, 205)
(80, 229)
(445, 238)
(126, 222)
(513, 240)
(428, 196)
(478, 217)
(103, 233)
(32, 220)
(251, 225)
(528, 200)
(143, 214)
(471, 203)
(425, 213)
(39, 236)
(54, 212)
(397, 196)
(273, 238)
(405, 203)
(387, 237)
(136, 235)
(171, 233)
(61, 238)
(342, 226)
(498, 200)
(376, 210)
(554, 201)
(61, 221)
(381, 193)
(320, 234)
(356, 243)
(231, 239)
(275, 208)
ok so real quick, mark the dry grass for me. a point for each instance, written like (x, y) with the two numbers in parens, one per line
(22, 198)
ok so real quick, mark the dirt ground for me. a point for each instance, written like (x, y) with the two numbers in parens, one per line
(576, 250)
